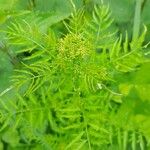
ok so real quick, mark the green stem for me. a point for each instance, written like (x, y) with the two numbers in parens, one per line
(119, 138)
(125, 140)
(133, 141)
(73, 5)
(137, 18)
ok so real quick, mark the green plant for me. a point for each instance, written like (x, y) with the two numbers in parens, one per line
(82, 89)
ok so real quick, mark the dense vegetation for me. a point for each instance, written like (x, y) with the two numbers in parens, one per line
(74, 74)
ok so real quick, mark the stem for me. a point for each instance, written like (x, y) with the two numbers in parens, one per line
(6, 90)
(125, 140)
(73, 5)
(137, 18)
(119, 138)
(133, 141)
(88, 139)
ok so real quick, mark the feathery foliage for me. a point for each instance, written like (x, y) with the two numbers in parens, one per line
(79, 89)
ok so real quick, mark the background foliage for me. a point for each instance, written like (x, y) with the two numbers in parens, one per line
(72, 76)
